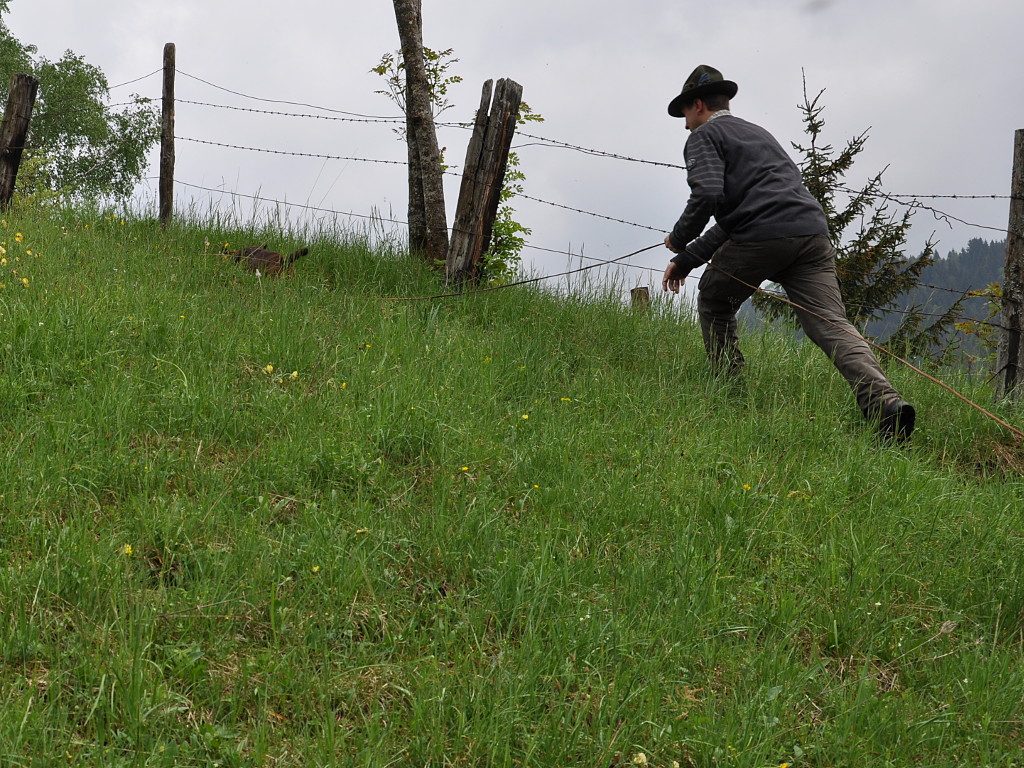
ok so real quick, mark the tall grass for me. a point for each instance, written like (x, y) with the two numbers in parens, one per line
(247, 522)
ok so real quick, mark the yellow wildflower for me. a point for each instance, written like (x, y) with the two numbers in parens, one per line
(536, 487)
(268, 369)
(3, 262)
(315, 569)
(18, 237)
(24, 281)
(639, 759)
(566, 399)
(3, 251)
(747, 487)
(127, 550)
(465, 469)
(293, 376)
(28, 252)
(525, 417)
(344, 385)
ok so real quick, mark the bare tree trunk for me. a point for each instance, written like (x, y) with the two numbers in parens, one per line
(421, 135)
(417, 212)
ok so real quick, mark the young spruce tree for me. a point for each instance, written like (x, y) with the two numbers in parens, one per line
(870, 240)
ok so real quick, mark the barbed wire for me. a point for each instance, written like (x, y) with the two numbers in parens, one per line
(403, 162)
(545, 141)
(589, 213)
(283, 101)
(291, 154)
(294, 114)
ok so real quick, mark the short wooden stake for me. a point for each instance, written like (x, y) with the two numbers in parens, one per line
(641, 298)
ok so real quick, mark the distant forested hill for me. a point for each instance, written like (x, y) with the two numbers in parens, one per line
(976, 266)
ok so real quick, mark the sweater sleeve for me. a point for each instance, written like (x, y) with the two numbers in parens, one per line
(700, 251)
(706, 177)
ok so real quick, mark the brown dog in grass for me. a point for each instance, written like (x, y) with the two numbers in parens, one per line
(256, 258)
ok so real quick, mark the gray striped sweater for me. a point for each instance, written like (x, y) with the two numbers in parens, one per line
(739, 174)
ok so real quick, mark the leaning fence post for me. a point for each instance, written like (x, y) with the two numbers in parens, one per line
(167, 139)
(482, 178)
(17, 117)
(1011, 347)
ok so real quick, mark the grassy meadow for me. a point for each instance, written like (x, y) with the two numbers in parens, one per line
(252, 522)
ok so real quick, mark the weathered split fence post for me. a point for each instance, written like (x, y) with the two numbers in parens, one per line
(20, 101)
(1010, 377)
(482, 178)
(167, 140)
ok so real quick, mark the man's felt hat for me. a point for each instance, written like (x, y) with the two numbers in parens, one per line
(703, 81)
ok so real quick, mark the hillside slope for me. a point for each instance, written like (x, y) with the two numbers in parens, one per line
(295, 522)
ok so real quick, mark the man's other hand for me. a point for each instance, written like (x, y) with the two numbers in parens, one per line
(674, 277)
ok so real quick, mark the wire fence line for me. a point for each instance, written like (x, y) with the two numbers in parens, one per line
(598, 262)
(908, 201)
(542, 139)
(284, 101)
(910, 204)
(376, 217)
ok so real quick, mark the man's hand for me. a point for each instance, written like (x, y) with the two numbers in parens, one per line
(674, 277)
(668, 244)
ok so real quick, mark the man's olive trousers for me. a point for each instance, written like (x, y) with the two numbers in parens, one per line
(806, 268)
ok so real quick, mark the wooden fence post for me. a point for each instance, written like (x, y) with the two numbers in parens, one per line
(17, 117)
(1010, 377)
(482, 178)
(167, 140)
(641, 298)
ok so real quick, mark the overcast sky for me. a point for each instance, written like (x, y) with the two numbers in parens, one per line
(938, 82)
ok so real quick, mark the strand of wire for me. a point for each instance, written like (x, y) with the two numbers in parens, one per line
(294, 114)
(136, 80)
(555, 143)
(290, 154)
(939, 215)
(403, 162)
(283, 101)
(541, 140)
